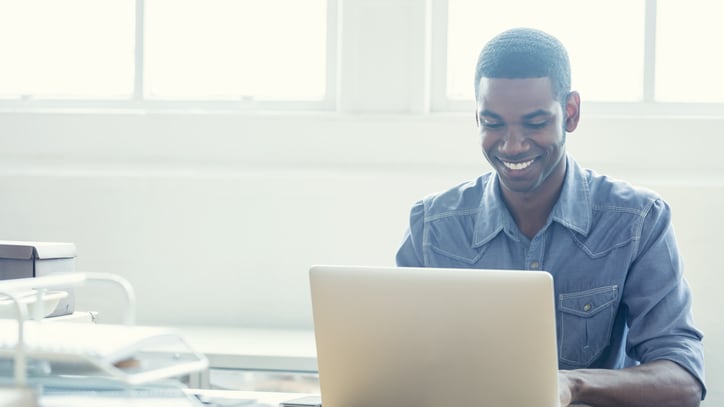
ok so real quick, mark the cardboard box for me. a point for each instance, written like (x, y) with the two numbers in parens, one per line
(34, 259)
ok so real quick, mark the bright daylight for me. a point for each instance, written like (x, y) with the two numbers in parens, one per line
(284, 203)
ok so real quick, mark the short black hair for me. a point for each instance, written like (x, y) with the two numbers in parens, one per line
(522, 53)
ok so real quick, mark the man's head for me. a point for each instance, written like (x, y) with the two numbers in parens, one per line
(524, 109)
(522, 53)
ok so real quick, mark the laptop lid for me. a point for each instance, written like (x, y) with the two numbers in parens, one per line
(424, 337)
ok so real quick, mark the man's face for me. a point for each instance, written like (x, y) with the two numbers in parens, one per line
(522, 132)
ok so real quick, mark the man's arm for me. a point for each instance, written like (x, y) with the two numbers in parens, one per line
(661, 333)
(410, 252)
(659, 383)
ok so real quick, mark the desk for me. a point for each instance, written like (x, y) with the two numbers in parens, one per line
(255, 399)
(150, 397)
(248, 398)
(251, 349)
(254, 349)
(206, 398)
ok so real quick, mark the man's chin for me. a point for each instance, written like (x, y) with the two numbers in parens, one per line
(520, 186)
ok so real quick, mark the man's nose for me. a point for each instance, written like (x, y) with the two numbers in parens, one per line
(514, 142)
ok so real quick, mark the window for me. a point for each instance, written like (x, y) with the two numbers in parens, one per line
(621, 51)
(228, 49)
(168, 51)
(689, 60)
(66, 49)
(589, 39)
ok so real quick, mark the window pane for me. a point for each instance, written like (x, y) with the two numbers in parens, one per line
(605, 41)
(689, 61)
(66, 48)
(231, 49)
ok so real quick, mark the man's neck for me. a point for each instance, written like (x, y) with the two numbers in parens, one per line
(531, 210)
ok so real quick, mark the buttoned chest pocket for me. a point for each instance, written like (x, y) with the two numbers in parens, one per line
(586, 320)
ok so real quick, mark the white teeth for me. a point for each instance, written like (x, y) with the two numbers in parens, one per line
(518, 166)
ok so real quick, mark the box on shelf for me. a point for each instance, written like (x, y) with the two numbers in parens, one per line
(34, 259)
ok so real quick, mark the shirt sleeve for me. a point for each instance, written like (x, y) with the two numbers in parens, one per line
(410, 253)
(658, 299)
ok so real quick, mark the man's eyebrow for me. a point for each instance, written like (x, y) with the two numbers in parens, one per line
(488, 113)
(539, 112)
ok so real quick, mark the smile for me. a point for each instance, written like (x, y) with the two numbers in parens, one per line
(518, 166)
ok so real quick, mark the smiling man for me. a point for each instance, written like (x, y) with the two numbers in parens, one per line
(625, 332)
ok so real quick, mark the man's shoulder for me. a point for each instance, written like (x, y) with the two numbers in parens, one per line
(610, 192)
(461, 198)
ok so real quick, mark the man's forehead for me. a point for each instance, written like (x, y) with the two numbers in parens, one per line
(520, 94)
(511, 85)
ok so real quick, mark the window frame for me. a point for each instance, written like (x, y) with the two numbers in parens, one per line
(648, 106)
(137, 101)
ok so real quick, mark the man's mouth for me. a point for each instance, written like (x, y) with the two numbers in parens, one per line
(517, 166)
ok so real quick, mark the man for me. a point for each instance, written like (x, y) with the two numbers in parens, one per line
(625, 332)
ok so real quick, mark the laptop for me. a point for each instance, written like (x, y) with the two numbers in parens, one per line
(426, 337)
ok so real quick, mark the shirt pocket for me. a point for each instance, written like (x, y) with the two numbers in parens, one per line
(586, 320)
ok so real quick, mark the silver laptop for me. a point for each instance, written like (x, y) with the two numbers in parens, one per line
(425, 337)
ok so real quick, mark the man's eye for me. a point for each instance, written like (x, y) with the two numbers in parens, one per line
(492, 125)
(536, 125)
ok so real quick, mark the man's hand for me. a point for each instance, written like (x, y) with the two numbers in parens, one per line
(564, 390)
(659, 383)
(566, 384)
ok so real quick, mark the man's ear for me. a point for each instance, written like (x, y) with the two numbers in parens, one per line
(477, 119)
(573, 111)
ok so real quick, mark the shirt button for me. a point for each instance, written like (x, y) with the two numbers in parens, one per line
(587, 307)
(534, 265)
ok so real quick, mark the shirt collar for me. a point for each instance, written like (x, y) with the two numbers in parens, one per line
(494, 216)
(573, 209)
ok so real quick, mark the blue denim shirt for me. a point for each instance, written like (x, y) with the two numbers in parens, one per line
(620, 295)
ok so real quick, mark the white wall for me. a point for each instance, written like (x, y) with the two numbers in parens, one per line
(216, 217)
